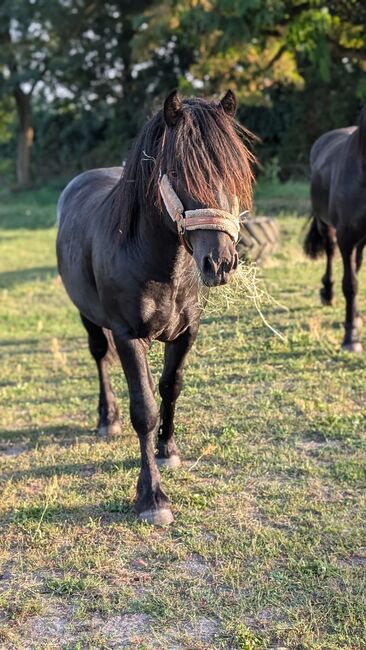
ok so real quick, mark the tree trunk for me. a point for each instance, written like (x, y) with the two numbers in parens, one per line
(25, 139)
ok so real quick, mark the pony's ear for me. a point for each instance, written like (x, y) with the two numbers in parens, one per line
(228, 103)
(172, 108)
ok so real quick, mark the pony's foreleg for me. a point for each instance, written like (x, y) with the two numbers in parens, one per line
(170, 386)
(152, 504)
(327, 290)
(351, 341)
(108, 423)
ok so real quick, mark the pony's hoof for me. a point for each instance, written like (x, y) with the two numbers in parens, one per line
(161, 517)
(173, 462)
(109, 430)
(355, 346)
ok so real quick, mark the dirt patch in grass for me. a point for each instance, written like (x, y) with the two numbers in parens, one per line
(59, 625)
(202, 630)
(194, 567)
(13, 449)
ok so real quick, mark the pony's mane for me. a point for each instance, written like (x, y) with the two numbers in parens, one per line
(205, 150)
(362, 136)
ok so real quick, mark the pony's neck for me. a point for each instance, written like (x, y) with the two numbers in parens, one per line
(160, 246)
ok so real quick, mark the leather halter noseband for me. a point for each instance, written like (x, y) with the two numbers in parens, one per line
(200, 219)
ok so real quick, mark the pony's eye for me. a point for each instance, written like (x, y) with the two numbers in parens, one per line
(173, 174)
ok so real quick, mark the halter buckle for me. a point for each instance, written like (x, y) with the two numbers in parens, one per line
(181, 222)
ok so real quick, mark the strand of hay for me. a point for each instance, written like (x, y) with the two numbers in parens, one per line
(244, 287)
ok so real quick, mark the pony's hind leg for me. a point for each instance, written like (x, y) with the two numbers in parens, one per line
(109, 422)
(170, 386)
(351, 342)
(152, 505)
(327, 290)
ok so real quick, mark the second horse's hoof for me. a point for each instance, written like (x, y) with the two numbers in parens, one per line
(173, 462)
(161, 517)
(326, 299)
(356, 346)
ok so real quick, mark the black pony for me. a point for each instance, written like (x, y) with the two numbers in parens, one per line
(133, 246)
(338, 197)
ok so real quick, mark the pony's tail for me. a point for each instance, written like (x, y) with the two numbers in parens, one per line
(362, 136)
(313, 242)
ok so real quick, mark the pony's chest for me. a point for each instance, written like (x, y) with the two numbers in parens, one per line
(163, 315)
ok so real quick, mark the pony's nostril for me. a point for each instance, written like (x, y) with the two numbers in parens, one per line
(230, 265)
(220, 268)
(208, 265)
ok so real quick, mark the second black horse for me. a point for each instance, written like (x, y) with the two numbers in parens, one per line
(338, 198)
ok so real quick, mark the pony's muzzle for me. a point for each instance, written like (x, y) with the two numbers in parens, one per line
(215, 254)
(217, 272)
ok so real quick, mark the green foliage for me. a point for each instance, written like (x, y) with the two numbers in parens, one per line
(7, 119)
(97, 69)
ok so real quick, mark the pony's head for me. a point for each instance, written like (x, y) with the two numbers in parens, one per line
(191, 155)
(204, 176)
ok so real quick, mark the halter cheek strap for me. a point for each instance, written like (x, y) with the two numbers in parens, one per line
(201, 219)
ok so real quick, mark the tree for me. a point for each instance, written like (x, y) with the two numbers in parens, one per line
(79, 49)
(118, 58)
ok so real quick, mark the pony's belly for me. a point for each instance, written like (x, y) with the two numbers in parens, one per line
(85, 298)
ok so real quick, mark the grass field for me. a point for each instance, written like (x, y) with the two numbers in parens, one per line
(268, 547)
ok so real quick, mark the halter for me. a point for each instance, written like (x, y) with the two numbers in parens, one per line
(200, 219)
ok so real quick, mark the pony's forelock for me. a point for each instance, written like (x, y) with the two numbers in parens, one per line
(206, 151)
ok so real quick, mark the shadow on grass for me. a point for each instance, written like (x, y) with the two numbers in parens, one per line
(17, 342)
(31, 437)
(43, 343)
(12, 278)
(83, 470)
(110, 512)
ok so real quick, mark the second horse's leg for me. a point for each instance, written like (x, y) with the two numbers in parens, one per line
(351, 341)
(359, 256)
(170, 386)
(327, 290)
(109, 423)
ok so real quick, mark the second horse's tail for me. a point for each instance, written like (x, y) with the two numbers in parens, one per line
(314, 241)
